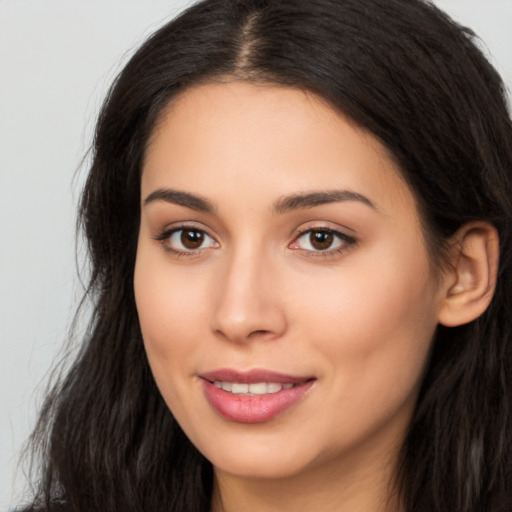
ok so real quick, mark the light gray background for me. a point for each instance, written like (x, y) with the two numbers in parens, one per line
(56, 61)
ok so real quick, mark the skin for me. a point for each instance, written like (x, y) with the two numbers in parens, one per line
(359, 316)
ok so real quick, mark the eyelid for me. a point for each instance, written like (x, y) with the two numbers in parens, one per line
(346, 241)
(166, 233)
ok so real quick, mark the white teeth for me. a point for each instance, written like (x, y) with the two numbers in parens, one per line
(274, 388)
(257, 388)
(238, 388)
(226, 386)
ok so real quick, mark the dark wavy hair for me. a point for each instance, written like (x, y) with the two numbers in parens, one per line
(416, 80)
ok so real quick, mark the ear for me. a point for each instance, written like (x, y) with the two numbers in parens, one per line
(470, 280)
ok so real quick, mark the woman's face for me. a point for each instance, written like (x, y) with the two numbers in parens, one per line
(284, 290)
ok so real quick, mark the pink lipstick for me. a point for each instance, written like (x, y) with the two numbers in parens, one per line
(254, 396)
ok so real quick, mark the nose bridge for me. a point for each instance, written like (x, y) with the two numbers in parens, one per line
(247, 300)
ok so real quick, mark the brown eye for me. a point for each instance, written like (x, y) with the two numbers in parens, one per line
(321, 240)
(192, 238)
(189, 239)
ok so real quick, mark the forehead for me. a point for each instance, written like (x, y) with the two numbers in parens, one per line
(227, 138)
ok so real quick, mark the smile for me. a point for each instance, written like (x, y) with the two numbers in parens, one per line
(258, 388)
(255, 396)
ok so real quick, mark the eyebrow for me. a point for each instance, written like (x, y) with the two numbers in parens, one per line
(312, 199)
(286, 204)
(180, 198)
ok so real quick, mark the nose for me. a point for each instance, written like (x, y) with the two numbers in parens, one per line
(248, 303)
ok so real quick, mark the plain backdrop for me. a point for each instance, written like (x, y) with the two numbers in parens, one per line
(57, 59)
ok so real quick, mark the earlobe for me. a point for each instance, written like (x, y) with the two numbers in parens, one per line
(470, 282)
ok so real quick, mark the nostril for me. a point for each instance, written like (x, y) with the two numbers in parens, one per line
(259, 332)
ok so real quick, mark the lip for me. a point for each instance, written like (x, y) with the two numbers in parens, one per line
(255, 408)
(252, 376)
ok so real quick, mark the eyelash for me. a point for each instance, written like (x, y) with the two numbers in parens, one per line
(345, 241)
(165, 236)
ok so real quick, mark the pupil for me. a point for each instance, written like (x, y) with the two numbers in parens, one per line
(192, 239)
(321, 240)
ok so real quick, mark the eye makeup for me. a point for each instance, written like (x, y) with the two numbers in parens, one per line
(188, 240)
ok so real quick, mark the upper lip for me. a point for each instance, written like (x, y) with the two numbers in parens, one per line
(251, 376)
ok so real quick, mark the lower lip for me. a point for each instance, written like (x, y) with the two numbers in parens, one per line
(255, 408)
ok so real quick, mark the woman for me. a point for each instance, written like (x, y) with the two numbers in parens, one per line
(298, 216)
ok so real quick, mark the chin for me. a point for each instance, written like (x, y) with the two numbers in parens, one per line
(260, 468)
(253, 458)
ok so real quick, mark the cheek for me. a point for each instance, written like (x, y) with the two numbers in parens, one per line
(170, 308)
(374, 325)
